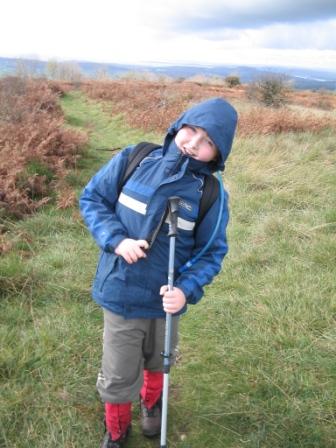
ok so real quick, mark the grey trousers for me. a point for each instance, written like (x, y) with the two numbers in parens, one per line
(129, 347)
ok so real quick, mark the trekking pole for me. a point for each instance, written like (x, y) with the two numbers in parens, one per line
(172, 217)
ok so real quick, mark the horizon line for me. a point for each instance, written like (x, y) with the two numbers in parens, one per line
(170, 64)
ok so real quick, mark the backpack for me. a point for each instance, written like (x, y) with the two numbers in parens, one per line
(211, 185)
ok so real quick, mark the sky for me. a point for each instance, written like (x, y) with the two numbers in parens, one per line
(288, 33)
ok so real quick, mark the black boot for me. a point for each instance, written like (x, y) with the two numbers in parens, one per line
(109, 443)
(151, 419)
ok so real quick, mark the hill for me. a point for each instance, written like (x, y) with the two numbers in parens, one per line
(299, 77)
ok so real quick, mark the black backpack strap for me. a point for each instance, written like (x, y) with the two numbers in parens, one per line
(209, 196)
(140, 151)
(211, 185)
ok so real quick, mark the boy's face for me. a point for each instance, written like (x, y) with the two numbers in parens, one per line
(194, 142)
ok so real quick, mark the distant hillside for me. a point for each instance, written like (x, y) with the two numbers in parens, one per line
(301, 78)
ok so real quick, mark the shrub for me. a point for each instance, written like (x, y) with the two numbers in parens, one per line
(27, 68)
(263, 120)
(232, 81)
(270, 90)
(323, 100)
(64, 71)
(35, 148)
(138, 99)
(320, 99)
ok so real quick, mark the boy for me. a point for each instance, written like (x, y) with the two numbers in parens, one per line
(132, 270)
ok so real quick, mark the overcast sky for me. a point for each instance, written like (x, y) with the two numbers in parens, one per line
(246, 32)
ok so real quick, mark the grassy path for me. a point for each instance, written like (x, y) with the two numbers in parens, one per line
(257, 354)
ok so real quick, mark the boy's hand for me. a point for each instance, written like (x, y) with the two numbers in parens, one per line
(131, 250)
(173, 301)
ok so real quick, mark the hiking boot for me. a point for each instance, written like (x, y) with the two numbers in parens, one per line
(150, 419)
(109, 443)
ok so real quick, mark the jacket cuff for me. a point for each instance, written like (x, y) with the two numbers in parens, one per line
(188, 292)
(114, 242)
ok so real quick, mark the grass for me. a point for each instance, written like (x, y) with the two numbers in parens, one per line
(257, 354)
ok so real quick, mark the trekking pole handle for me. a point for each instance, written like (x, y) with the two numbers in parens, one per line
(173, 205)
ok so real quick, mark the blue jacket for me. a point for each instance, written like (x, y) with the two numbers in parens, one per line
(132, 290)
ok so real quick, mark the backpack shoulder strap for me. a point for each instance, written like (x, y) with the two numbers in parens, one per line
(140, 151)
(211, 185)
(209, 196)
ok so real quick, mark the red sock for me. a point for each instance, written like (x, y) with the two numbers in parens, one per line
(152, 387)
(118, 417)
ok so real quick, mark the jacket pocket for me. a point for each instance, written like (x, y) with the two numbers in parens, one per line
(107, 264)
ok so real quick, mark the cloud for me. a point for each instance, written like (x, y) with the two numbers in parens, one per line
(175, 31)
(286, 24)
(318, 35)
(200, 16)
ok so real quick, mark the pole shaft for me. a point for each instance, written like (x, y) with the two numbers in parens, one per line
(173, 212)
(164, 415)
(167, 348)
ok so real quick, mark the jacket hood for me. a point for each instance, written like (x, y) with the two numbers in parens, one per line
(217, 117)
